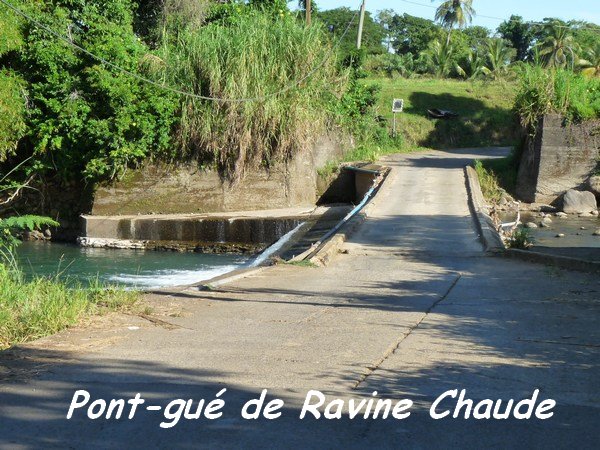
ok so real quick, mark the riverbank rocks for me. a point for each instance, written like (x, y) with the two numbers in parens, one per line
(594, 185)
(35, 235)
(578, 202)
(597, 232)
(546, 222)
(561, 215)
(531, 225)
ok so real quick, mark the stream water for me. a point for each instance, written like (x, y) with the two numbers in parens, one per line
(130, 268)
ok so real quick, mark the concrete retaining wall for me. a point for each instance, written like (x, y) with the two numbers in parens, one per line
(558, 158)
(190, 229)
(157, 189)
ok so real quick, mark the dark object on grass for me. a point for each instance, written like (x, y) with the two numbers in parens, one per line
(441, 114)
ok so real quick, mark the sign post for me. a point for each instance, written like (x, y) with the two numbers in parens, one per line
(397, 106)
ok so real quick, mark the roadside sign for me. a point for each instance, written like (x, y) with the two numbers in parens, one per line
(397, 105)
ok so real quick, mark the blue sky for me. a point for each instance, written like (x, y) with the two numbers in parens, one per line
(535, 10)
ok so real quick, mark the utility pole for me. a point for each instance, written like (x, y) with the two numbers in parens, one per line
(308, 6)
(361, 20)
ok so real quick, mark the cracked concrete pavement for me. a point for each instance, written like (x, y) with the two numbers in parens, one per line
(410, 309)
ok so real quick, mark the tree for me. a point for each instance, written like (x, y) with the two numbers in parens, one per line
(499, 56)
(441, 58)
(476, 35)
(385, 18)
(558, 44)
(519, 34)
(585, 34)
(412, 34)
(590, 63)
(453, 13)
(473, 66)
(337, 20)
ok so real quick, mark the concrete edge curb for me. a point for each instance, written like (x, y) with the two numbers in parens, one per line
(563, 262)
(493, 242)
(322, 257)
(332, 246)
(490, 238)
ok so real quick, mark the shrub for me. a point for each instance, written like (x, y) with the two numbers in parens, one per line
(391, 65)
(520, 238)
(30, 310)
(561, 91)
(252, 54)
(85, 117)
(12, 112)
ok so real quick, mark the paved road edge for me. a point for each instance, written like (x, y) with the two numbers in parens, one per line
(493, 242)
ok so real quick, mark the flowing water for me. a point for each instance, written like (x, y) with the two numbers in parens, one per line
(133, 268)
(130, 268)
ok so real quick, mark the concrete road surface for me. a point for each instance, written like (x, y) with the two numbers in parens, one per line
(412, 308)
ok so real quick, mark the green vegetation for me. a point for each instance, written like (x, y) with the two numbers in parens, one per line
(336, 21)
(488, 181)
(12, 112)
(561, 91)
(302, 263)
(484, 108)
(251, 54)
(520, 238)
(30, 310)
(84, 119)
(12, 225)
(497, 176)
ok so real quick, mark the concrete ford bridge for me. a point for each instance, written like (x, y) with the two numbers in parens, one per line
(411, 308)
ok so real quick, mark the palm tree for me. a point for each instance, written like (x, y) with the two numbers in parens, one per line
(473, 66)
(453, 13)
(590, 63)
(498, 55)
(441, 58)
(558, 45)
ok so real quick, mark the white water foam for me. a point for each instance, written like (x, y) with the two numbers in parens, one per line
(274, 248)
(173, 277)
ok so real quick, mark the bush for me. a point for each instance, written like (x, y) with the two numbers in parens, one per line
(520, 238)
(252, 54)
(391, 65)
(561, 91)
(30, 310)
(85, 117)
(12, 112)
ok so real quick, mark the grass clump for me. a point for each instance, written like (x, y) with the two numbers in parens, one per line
(252, 54)
(302, 263)
(488, 180)
(520, 238)
(498, 176)
(542, 91)
(31, 310)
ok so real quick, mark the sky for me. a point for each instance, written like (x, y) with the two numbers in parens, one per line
(535, 10)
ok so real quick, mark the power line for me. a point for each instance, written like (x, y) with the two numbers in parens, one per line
(289, 87)
(504, 19)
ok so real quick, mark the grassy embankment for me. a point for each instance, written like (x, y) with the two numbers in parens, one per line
(34, 309)
(484, 108)
(538, 92)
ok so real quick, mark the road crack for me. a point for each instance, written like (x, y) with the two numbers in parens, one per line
(392, 348)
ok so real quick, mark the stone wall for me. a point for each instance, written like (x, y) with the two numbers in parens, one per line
(187, 189)
(560, 157)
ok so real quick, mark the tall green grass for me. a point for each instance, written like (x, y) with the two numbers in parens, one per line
(30, 310)
(255, 55)
(543, 91)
